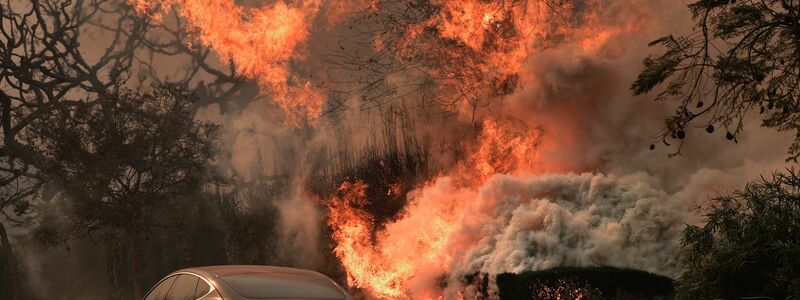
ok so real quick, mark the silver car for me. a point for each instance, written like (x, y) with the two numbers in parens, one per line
(246, 282)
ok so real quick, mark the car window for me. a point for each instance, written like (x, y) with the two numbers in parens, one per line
(183, 288)
(160, 291)
(202, 289)
(283, 285)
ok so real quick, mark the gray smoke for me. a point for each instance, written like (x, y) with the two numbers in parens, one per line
(624, 205)
(540, 222)
(629, 212)
(630, 208)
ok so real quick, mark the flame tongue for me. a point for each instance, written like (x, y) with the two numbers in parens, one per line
(410, 253)
(262, 42)
(401, 253)
(497, 213)
(385, 266)
(259, 41)
(485, 45)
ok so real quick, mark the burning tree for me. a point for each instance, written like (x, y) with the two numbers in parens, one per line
(743, 56)
(121, 162)
(448, 57)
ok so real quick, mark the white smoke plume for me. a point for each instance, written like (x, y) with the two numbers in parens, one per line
(520, 224)
(611, 202)
(627, 211)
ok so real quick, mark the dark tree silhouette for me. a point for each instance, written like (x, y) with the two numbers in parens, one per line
(749, 244)
(43, 69)
(61, 56)
(120, 162)
(743, 56)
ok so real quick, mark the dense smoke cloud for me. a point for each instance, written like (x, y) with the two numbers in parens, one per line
(582, 99)
(627, 212)
(517, 224)
(631, 217)
(601, 198)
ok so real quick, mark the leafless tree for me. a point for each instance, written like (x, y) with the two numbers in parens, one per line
(44, 69)
(62, 56)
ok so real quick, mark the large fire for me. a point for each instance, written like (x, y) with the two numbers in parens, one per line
(491, 37)
(403, 259)
(483, 47)
(261, 42)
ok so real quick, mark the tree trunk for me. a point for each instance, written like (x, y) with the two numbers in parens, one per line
(135, 260)
(11, 268)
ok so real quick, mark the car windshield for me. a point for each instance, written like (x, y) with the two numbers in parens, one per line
(282, 286)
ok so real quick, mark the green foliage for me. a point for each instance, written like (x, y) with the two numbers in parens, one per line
(658, 69)
(743, 56)
(749, 244)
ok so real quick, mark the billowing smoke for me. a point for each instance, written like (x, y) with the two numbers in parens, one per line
(627, 212)
(578, 186)
(518, 224)
(592, 193)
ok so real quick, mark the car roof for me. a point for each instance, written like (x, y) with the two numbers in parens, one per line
(284, 283)
(217, 271)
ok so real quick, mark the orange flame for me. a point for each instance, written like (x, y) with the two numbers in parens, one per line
(261, 42)
(383, 266)
(490, 39)
(408, 254)
(505, 148)
(502, 30)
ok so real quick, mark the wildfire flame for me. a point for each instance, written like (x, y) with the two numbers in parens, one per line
(383, 267)
(496, 36)
(261, 42)
(409, 257)
(416, 249)
(406, 257)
